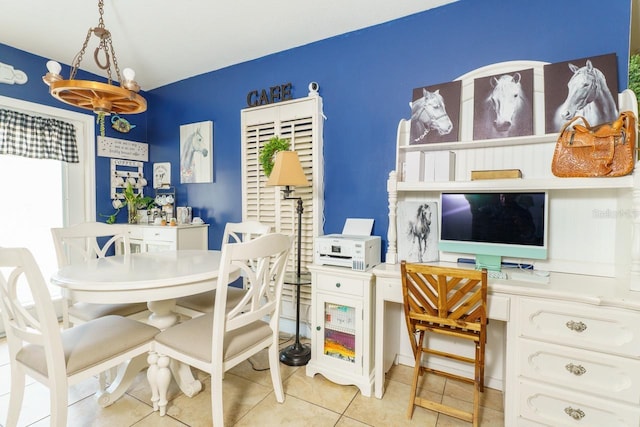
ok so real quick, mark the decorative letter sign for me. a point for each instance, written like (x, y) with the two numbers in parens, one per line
(271, 96)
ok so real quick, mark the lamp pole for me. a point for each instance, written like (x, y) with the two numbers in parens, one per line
(296, 354)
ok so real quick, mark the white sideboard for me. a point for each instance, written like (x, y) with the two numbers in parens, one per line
(149, 238)
(571, 346)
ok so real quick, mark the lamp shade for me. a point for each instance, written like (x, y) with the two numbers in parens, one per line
(287, 170)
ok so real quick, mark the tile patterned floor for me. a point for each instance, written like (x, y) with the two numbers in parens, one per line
(249, 401)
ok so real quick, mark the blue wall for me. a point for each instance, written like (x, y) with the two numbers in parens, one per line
(366, 80)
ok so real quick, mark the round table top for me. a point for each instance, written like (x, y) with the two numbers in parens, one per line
(141, 276)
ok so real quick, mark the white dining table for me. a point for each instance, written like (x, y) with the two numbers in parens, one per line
(157, 278)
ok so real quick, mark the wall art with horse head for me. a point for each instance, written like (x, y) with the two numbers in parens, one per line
(503, 105)
(435, 113)
(196, 152)
(586, 87)
(417, 231)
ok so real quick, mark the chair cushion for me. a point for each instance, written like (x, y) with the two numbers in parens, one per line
(85, 311)
(195, 337)
(91, 343)
(205, 301)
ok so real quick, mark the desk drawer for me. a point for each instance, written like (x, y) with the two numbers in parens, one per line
(136, 233)
(552, 406)
(604, 329)
(605, 375)
(160, 233)
(343, 285)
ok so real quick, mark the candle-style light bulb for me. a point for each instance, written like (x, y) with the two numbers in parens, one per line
(129, 74)
(54, 67)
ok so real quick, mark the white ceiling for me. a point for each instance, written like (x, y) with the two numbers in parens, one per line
(165, 41)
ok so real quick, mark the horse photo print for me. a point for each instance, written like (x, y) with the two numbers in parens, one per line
(196, 152)
(503, 105)
(417, 230)
(586, 87)
(435, 113)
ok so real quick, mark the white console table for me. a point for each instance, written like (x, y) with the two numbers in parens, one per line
(572, 347)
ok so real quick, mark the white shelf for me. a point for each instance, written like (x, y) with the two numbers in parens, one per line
(485, 143)
(521, 184)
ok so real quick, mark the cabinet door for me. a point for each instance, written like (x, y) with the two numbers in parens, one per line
(339, 332)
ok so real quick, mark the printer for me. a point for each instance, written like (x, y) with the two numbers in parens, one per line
(344, 250)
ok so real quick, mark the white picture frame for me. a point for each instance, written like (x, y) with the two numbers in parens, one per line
(417, 230)
(161, 175)
(196, 153)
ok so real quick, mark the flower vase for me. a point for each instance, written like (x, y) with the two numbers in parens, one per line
(133, 214)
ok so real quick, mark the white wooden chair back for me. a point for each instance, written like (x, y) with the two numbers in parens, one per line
(81, 241)
(262, 261)
(235, 232)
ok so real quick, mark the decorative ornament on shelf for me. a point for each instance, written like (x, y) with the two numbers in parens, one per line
(268, 153)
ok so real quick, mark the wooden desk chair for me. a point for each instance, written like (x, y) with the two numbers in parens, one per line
(57, 359)
(82, 242)
(234, 232)
(451, 302)
(216, 342)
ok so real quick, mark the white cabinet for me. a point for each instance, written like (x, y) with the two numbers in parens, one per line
(342, 326)
(150, 238)
(578, 363)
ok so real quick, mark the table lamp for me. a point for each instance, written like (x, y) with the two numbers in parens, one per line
(287, 171)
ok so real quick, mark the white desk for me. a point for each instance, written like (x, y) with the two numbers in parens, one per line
(157, 278)
(552, 331)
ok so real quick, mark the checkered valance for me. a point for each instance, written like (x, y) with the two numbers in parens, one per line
(37, 137)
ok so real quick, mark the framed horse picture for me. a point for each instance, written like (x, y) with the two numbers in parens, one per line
(435, 113)
(503, 105)
(586, 87)
(196, 152)
(417, 230)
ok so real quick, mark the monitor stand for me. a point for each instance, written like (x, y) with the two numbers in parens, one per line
(490, 262)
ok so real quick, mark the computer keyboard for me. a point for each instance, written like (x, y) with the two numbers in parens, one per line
(492, 274)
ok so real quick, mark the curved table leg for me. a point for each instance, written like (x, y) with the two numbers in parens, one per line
(127, 372)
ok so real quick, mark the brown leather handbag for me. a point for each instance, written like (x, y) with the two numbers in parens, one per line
(608, 149)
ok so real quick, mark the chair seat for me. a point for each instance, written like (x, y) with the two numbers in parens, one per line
(86, 312)
(195, 337)
(205, 301)
(84, 344)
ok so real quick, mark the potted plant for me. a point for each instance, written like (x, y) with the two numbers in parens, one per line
(268, 153)
(133, 201)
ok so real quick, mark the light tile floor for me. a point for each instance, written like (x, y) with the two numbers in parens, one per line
(249, 401)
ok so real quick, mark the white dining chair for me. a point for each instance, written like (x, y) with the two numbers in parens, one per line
(55, 358)
(216, 342)
(82, 242)
(234, 232)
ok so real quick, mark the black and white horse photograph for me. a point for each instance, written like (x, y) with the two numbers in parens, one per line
(586, 87)
(417, 231)
(196, 156)
(435, 113)
(503, 105)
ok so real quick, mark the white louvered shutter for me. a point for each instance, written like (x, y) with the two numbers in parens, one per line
(300, 121)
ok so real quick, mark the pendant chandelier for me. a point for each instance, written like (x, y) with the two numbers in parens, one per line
(102, 98)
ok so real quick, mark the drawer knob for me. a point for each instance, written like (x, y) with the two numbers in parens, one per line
(576, 326)
(576, 414)
(338, 285)
(576, 370)
(317, 328)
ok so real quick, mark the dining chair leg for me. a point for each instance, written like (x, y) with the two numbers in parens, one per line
(163, 379)
(152, 375)
(59, 401)
(217, 410)
(274, 367)
(16, 396)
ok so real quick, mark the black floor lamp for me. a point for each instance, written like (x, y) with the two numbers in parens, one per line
(287, 172)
